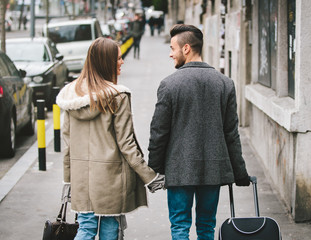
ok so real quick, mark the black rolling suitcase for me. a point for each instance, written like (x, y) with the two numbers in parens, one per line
(252, 228)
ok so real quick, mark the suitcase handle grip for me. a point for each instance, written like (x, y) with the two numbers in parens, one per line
(253, 180)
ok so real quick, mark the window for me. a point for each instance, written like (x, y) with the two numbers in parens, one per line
(83, 33)
(291, 46)
(267, 42)
(230, 63)
(53, 49)
(70, 33)
(11, 67)
(3, 67)
(46, 56)
(213, 6)
(27, 51)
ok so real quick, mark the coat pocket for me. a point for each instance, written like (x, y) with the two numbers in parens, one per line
(105, 184)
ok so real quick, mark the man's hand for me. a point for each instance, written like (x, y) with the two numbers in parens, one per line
(157, 184)
(243, 182)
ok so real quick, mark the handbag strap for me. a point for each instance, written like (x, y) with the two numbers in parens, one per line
(63, 211)
(60, 214)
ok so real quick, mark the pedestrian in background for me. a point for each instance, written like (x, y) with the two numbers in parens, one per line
(137, 30)
(194, 138)
(103, 162)
(160, 23)
(152, 23)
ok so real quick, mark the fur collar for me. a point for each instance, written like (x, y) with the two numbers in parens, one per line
(67, 99)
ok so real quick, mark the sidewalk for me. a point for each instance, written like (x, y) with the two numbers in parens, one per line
(36, 196)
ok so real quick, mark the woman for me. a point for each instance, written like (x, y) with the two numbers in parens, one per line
(103, 161)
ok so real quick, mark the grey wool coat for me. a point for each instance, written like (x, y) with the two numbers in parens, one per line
(102, 158)
(194, 138)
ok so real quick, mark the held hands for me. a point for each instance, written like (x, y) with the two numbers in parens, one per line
(157, 184)
(243, 182)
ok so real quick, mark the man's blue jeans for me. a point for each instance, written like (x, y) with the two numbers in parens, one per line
(180, 201)
(88, 227)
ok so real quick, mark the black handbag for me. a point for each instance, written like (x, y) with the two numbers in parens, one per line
(60, 229)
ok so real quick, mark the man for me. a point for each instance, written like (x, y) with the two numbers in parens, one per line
(194, 137)
(137, 31)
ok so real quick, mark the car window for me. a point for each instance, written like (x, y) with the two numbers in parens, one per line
(70, 33)
(27, 51)
(11, 67)
(53, 49)
(3, 67)
(46, 56)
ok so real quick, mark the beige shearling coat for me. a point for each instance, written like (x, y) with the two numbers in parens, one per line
(102, 158)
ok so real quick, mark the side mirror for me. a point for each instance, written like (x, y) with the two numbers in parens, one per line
(59, 56)
(22, 73)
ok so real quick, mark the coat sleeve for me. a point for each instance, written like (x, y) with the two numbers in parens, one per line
(66, 138)
(126, 140)
(160, 130)
(231, 131)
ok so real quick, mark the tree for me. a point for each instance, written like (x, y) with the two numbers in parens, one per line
(160, 5)
(3, 5)
(147, 3)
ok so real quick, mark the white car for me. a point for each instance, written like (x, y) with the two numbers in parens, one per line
(73, 39)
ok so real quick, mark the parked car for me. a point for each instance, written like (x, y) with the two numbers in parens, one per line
(73, 39)
(16, 106)
(43, 63)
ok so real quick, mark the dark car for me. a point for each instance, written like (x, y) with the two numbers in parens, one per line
(16, 106)
(43, 63)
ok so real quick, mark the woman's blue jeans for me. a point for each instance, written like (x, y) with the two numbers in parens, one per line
(89, 225)
(180, 201)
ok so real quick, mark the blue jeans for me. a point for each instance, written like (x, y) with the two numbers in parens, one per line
(180, 201)
(108, 227)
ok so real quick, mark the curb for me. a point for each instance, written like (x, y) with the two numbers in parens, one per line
(16, 172)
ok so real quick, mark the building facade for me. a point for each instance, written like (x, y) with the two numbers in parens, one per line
(279, 98)
(264, 46)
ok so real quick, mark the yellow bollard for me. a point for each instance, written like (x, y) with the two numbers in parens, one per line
(41, 134)
(56, 121)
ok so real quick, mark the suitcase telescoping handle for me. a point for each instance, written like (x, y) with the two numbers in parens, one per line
(254, 183)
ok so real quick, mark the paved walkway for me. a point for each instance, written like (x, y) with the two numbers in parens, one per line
(36, 195)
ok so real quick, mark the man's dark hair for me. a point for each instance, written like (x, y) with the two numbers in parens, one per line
(189, 34)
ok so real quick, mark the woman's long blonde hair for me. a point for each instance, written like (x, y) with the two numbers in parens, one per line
(99, 71)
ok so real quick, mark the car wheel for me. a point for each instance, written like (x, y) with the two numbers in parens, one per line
(30, 127)
(8, 148)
